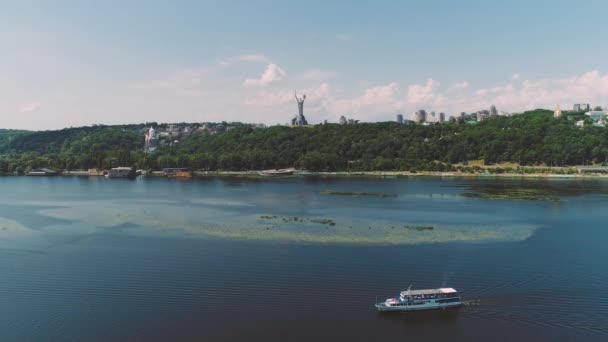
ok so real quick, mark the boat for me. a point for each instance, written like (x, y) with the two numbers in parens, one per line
(428, 299)
(42, 172)
(276, 173)
(122, 172)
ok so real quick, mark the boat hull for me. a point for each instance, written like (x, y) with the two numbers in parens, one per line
(402, 308)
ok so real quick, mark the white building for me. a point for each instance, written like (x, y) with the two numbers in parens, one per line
(558, 112)
(151, 140)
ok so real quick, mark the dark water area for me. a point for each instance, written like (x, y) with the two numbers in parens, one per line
(97, 259)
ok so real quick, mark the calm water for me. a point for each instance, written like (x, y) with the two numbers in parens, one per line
(157, 259)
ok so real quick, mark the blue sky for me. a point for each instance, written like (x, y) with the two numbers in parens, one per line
(72, 63)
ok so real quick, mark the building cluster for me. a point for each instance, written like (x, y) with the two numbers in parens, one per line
(344, 121)
(581, 107)
(427, 118)
(169, 134)
(598, 116)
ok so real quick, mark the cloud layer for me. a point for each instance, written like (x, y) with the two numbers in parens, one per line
(272, 73)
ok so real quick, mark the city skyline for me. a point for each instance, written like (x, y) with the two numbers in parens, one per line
(71, 64)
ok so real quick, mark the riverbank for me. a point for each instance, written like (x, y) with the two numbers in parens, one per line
(394, 174)
(373, 174)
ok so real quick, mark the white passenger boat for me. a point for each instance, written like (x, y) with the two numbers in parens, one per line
(412, 300)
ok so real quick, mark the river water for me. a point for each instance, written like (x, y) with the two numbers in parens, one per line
(299, 259)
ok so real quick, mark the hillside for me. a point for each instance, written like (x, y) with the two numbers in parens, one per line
(531, 138)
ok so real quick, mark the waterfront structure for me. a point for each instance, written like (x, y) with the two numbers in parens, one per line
(415, 300)
(42, 172)
(299, 120)
(558, 112)
(95, 172)
(400, 119)
(122, 172)
(581, 107)
(493, 111)
(177, 172)
(420, 116)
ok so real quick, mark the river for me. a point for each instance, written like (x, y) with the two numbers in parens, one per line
(300, 258)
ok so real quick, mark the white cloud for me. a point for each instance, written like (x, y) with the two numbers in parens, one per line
(29, 107)
(515, 76)
(425, 95)
(317, 75)
(272, 74)
(459, 86)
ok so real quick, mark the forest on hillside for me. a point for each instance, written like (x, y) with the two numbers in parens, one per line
(530, 138)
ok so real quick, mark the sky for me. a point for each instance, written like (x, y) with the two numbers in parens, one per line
(75, 63)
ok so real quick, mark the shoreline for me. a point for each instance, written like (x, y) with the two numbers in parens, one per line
(372, 174)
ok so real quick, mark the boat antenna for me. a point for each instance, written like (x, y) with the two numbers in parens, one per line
(409, 288)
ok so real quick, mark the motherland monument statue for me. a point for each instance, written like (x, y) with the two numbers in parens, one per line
(299, 120)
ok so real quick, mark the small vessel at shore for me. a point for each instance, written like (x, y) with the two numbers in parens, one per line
(276, 173)
(122, 172)
(428, 299)
(42, 172)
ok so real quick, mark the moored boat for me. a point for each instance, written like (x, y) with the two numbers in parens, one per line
(276, 173)
(42, 172)
(122, 172)
(427, 299)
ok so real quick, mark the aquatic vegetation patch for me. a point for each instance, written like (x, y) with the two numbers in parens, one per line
(133, 218)
(357, 193)
(324, 221)
(287, 219)
(513, 194)
(419, 228)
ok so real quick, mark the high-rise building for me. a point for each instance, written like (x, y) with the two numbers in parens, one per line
(420, 116)
(441, 117)
(581, 107)
(400, 119)
(493, 111)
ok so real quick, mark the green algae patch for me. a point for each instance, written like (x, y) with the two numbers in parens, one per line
(287, 219)
(357, 193)
(513, 194)
(158, 219)
(419, 228)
